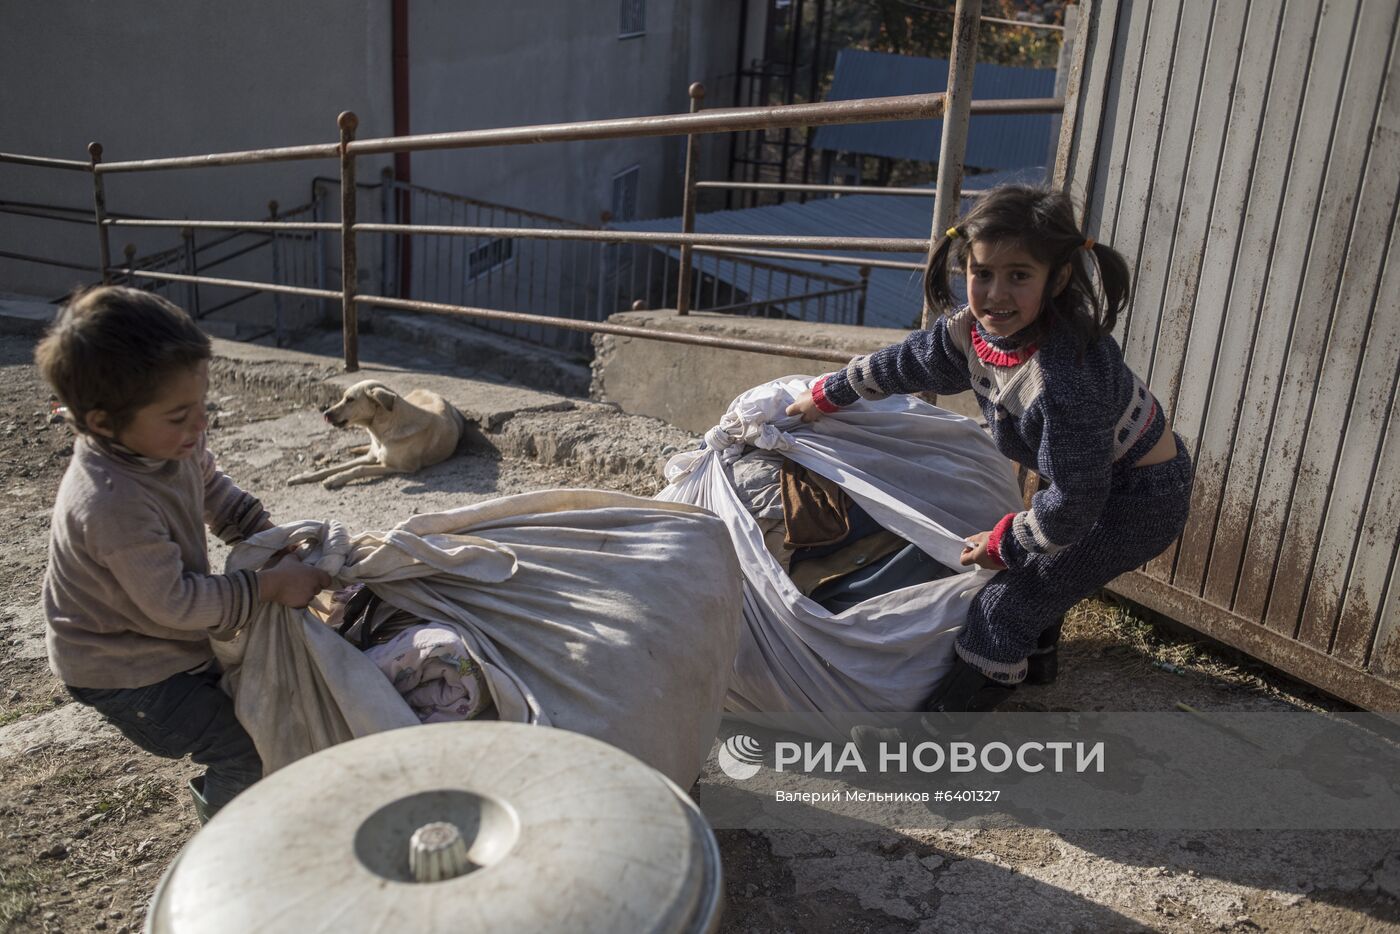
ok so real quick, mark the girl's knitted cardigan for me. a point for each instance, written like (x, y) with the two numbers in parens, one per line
(1077, 420)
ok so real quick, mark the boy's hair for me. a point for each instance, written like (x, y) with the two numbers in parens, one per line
(111, 349)
(1041, 222)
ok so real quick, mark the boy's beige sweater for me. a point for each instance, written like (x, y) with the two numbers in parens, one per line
(128, 593)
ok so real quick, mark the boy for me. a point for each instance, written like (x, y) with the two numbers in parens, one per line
(128, 595)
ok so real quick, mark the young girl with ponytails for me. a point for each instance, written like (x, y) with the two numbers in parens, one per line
(1034, 343)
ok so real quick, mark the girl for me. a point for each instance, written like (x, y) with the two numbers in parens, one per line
(1034, 344)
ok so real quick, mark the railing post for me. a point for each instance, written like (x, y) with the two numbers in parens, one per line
(191, 269)
(387, 194)
(348, 263)
(864, 290)
(99, 205)
(318, 214)
(129, 251)
(957, 107)
(697, 94)
(276, 277)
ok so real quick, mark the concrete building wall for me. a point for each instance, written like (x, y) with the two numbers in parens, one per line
(540, 61)
(170, 78)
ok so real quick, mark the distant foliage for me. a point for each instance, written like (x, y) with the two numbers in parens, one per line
(925, 28)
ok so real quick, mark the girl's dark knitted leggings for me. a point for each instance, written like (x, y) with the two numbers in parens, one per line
(1144, 514)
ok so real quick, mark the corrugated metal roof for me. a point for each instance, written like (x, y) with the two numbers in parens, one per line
(895, 296)
(994, 142)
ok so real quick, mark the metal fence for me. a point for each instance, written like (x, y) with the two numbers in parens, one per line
(527, 240)
(288, 258)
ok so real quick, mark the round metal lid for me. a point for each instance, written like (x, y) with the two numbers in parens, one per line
(562, 833)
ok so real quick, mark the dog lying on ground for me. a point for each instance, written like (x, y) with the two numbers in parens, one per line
(406, 433)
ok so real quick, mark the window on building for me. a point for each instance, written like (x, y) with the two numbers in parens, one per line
(624, 194)
(488, 256)
(632, 19)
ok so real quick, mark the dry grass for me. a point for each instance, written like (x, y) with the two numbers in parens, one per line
(19, 886)
(1103, 621)
(1138, 642)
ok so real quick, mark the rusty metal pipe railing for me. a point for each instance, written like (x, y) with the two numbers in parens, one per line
(787, 299)
(812, 257)
(99, 206)
(232, 283)
(720, 120)
(908, 107)
(45, 162)
(349, 258)
(48, 213)
(599, 327)
(952, 148)
(747, 257)
(696, 240)
(46, 261)
(222, 225)
(830, 189)
(683, 280)
(872, 244)
(247, 157)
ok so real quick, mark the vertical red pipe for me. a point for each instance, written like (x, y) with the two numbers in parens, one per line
(402, 167)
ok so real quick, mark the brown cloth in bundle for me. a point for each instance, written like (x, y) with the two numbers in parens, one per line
(815, 509)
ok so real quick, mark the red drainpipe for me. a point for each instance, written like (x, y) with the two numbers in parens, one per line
(402, 168)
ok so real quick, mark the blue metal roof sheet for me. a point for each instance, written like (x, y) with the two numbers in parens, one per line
(993, 142)
(894, 298)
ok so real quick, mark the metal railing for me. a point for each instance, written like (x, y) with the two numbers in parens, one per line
(724, 120)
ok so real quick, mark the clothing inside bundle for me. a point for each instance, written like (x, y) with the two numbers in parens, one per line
(831, 548)
(814, 508)
(430, 666)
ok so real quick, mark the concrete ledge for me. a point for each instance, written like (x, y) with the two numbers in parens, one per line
(691, 386)
(592, 439)
(20, 314)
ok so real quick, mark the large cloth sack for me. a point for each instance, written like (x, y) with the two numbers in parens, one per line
(606, 614)
(929, 475)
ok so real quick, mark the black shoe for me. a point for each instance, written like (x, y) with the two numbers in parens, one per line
(1043, 665)
(967, 690)
(964, 690)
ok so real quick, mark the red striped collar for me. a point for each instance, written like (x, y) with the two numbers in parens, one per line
(989, 354)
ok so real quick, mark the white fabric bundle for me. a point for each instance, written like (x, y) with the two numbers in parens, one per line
(928, 475)
(606, 614)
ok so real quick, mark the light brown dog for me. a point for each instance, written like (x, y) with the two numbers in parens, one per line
(406, 433)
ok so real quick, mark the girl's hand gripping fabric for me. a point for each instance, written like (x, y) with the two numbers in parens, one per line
(979, 552)
(806, 407)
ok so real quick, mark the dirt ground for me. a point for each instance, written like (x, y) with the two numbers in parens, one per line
(88, 823)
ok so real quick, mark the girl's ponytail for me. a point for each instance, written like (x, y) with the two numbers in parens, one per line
(938, 294)
(1115, 281)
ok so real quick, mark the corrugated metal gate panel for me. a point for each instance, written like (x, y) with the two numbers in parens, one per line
(1245, 158)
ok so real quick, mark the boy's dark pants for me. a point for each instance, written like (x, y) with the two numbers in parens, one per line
(186, 714)
(1144, 514)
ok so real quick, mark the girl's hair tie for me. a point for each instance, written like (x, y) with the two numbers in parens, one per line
(1088, 243)
(952, 233)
